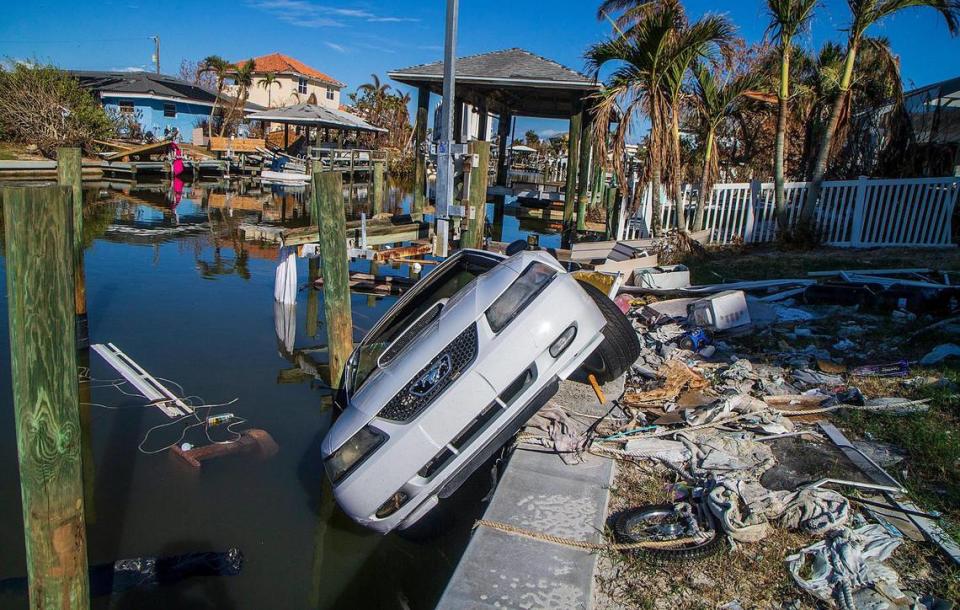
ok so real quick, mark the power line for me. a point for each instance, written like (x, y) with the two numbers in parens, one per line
(85, 41)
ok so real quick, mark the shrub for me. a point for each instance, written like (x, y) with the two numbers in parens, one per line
(45, 106)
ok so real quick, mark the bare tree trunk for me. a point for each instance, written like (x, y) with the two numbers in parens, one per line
(681, 221)
(778, 165)
(705, 186)
(820, 168)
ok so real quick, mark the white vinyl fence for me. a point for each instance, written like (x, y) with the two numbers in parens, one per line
(854, 213)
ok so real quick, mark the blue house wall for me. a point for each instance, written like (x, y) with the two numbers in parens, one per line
(152, 119)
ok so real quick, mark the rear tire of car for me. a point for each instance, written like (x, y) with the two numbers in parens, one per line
(620, 347)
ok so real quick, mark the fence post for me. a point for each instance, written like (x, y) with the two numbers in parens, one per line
(860, 198)
(750, 218)
(43, 356)
(328, 197)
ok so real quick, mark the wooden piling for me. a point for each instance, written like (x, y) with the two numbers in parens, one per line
(69, 164)
(420, 142)
(328, 209)
(379, 193)
(503, 133)
(39, 245)
(583, 171)
(573, 158)
(612, 202)
(476, 211)
(313, 297)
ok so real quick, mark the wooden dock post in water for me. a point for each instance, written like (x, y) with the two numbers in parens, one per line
(612, 202)
(573, 162)
(379, 194)
(420, 154)
(69, 163)
(472, 236)
(43, 354)
(583, 171)
(332, 226)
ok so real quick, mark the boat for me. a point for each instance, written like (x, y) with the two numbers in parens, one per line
(285, 170)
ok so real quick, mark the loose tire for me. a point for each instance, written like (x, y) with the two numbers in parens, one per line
(620, 347)
(652, 523)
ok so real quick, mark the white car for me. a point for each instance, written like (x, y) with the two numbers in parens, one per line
(454, 370)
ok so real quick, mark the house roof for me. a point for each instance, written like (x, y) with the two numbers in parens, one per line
(149, 84)
(509, 81)
(314, 116)
(278, 62)
(517, 66)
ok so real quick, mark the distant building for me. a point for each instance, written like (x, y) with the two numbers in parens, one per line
(159, 103)
(296, 83)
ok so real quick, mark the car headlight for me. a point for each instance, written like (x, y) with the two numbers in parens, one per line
(360, 445)
(520, 294)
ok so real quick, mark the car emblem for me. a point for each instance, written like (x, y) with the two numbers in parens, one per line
(434, 375)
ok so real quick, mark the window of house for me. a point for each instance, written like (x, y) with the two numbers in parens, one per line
(302, 86)
(125, 106)
(170, 110)
(329, 93)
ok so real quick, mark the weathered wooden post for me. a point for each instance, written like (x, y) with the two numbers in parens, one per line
(332, 226)
(583, 172)
(313, 298)
(472, 236)
(69, 173)
(43, 354)
(420, 160)
(612, 202)
(379, 194)
(573, 158)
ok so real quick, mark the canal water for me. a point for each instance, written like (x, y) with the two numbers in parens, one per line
(170, 283)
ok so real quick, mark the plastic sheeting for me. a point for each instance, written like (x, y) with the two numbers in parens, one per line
(847, 571)
(285, 280)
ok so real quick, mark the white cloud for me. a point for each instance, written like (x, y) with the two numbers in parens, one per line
(307, 14)
(336, 47)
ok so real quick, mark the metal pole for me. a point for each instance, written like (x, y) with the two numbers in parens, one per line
(156, 52)
(444, 157)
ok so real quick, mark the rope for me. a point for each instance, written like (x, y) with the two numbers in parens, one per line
(583, 544)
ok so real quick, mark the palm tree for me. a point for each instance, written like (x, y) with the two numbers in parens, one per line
(716, 101)
(267, 82)
(219, 67)
(653, 56)
(787, 18)
(864, 13)
(243, 79)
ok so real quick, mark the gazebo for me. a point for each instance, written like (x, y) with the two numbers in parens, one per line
(313, 116)
(508, 83)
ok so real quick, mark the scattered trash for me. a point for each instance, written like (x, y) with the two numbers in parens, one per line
(721, 311)
(847, 569)
(940, 353)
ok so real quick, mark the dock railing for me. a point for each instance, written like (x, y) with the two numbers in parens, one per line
(345, 159)
(862, 213)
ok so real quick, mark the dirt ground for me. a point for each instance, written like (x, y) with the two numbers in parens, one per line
(754, 575)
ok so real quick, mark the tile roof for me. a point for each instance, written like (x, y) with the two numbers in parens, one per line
(278, 62)
(516, 64)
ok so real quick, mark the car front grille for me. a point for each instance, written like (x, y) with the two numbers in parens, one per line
(445, 368)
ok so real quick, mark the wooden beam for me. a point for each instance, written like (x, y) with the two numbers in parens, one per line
(328, 208)
(39, 259)
(612, 201)
(420, 152)
(146, 149)
(472, 237)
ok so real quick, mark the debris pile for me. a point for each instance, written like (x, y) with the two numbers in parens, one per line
(727, 368)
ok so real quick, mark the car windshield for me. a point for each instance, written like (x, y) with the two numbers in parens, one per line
(442, 283)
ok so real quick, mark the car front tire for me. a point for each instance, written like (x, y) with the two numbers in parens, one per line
(620, 347)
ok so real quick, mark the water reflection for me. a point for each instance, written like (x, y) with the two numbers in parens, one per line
(171, 282)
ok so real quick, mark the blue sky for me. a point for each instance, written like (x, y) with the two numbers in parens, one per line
(351, 39)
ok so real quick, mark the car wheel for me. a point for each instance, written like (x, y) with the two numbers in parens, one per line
(620, 347)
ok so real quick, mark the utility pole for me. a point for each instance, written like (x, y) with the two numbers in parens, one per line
(156, 52)
(444, 154)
